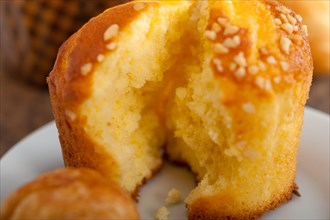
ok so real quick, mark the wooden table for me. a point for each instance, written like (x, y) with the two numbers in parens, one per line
(25, 107)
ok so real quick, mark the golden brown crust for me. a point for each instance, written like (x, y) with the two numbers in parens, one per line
(154, 172)
(69, 88)
(315, 15)
(70, 193)
(298, 59)
(210, 207)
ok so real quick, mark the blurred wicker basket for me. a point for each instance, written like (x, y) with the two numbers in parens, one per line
(32, 32)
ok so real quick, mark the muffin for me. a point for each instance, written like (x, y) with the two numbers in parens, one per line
(221, 84)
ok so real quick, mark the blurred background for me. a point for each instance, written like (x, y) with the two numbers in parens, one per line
(33, 30)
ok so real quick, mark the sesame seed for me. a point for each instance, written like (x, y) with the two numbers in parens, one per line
(262, 66)
(284, 19)
(240, 59)
(296, 39)
(232, 66)
(278, 8)
(277, 21)
(222, 21)
(216, 27)
(284, 66)
(218, 64)
(111, 32)
(277, 79)
(268, 85)
(86, 68)
(229, 30)
(285, 44)
(248, 107)
(232, 42)
(237, 40)
(287, 27)
(295, 28)
(285, 10)
(111, 46)
(220, 49)
(219, 68)
(282, 9)
(240, 73)
(264, 51)
(304, 28)
(216, 61)
(260, 81)
(263, 83)
(253, 69)
(138, 6)
(70, 114)
(100, 57)
(299, 18)
(271, 60)
(291, 19)
(211, 35)
(289, 79)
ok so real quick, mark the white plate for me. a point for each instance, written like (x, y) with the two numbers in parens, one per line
(40, 152)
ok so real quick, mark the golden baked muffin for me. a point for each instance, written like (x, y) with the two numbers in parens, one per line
(316, 15)
(221, 84)
(69, 193)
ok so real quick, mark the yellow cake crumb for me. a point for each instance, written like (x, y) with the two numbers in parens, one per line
(162, 213)
(173, 196)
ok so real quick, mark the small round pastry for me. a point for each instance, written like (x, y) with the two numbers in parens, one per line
(69, 193)
(316, 15)
(221, 84)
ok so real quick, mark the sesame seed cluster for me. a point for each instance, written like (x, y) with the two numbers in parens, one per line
(289, 23)
(239, 68)
(109, 36)
(285, 20)
(231, 41)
